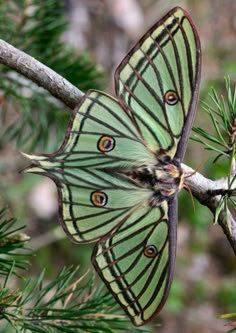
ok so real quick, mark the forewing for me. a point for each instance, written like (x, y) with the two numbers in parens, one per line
(100, 116)
(140, 283)
(158, 82)
(93, 196)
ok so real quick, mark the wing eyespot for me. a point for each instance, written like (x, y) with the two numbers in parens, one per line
(98, 198)
(171, 97)
(150, 251)
(106, 143)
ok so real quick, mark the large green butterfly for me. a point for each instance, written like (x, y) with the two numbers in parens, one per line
(118, 170)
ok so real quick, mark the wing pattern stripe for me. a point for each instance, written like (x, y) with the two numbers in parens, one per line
(158, 76)
(97, 133)
(107, 211)
(188, 53)
(128, 237)
(107, 222)
(170, 69)
(135, 97)
(158, 287)
(141, 119)
(92, 184)
(147, 283)
(179, 69)
(99, 121)
(125, 124)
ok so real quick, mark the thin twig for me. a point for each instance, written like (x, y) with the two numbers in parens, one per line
(40, 74)
(70, 95)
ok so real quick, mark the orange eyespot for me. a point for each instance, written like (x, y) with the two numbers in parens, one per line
(106, 143)
(171, 97)
(99, 199)
(150, 251)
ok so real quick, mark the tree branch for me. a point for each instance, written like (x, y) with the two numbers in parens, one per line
(32, 69)
(202, 189)
(40, 74)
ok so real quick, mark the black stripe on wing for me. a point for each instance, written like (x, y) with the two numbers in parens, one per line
(108, 222)
(195, 83)
(192, 77)
(117, 116)
(141, 119)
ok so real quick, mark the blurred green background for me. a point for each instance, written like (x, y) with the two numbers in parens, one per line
(84, 41)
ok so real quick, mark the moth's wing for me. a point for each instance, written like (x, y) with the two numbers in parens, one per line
(139, 283)
(99, 115)
(80, 168)
(158, 83)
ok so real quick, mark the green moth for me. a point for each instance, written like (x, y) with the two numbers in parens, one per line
(119, 168)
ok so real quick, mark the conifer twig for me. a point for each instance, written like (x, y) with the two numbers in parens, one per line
(40, 74)
(201, 187)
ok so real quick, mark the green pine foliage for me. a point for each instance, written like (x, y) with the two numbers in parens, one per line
(222, 113)
(37, 27)
(11, 239)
